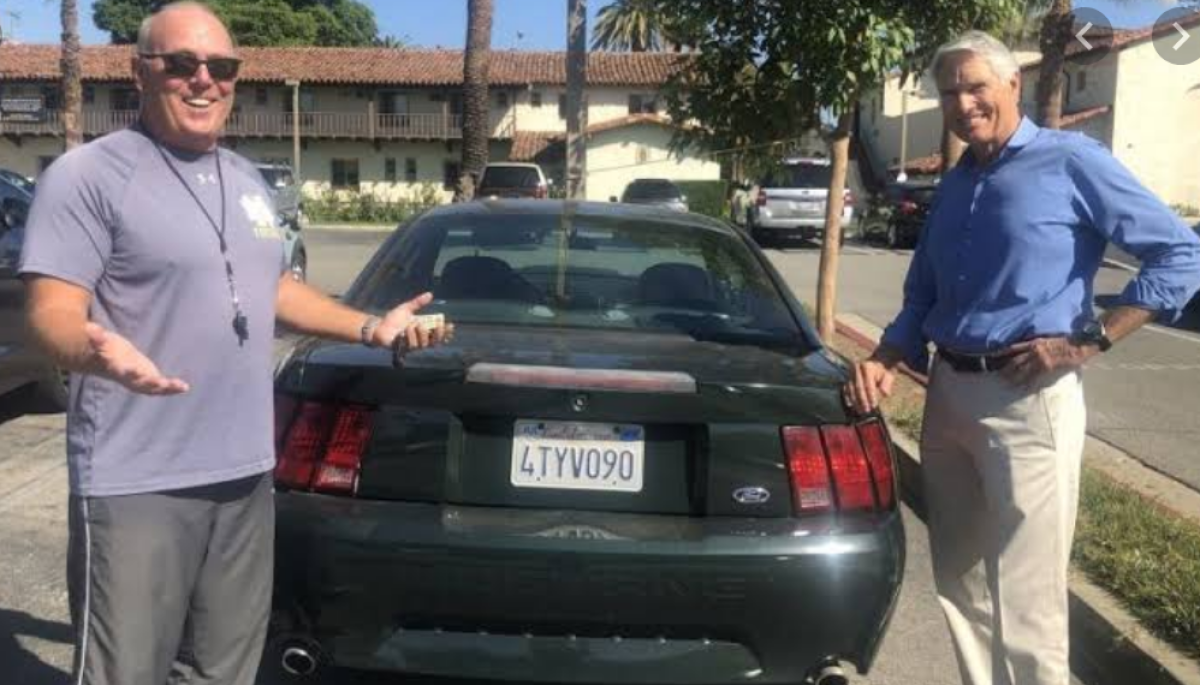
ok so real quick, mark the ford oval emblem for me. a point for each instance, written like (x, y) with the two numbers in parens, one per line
(751, 495)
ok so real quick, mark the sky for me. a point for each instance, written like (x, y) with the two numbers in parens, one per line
(518, 24)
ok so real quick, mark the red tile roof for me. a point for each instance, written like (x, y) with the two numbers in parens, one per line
(529, 144)
(1083, 115)
(364, 66)
(1122, 38)
(630, 120)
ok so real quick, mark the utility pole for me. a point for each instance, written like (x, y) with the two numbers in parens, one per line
(576, 100)
(295, 84)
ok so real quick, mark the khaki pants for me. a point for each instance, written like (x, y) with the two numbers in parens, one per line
(1001, 471)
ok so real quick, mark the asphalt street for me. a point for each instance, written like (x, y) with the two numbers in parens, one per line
(34, 633)
(1141, 395)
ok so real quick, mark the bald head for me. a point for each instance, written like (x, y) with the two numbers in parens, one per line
(184, 12)
(184, 105)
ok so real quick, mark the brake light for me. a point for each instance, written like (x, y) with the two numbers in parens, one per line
(762, 197)
(322, 448)
(839, 468)
(849, 197)
(908, 207)
(540, 192)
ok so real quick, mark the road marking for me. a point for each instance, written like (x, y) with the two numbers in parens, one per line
(1144, 367)
(1183, 40)
(1174, 334)
(1083, 31)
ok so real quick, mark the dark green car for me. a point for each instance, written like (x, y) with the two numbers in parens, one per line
(632, 464)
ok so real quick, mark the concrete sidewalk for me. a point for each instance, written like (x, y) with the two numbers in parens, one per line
(1105, 638)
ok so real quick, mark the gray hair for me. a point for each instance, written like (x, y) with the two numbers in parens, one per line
(982, 45)
(143, 35)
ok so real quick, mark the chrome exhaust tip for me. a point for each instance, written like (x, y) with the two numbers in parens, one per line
(831, 674)
(297, 660)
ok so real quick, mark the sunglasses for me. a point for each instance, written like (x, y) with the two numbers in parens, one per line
(185, 65)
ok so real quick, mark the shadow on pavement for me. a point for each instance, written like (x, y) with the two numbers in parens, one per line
(21, 665)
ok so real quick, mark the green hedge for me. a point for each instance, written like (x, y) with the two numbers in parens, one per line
(365, 207)
(706, 197)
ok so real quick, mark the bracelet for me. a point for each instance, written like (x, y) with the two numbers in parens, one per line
(368, 330)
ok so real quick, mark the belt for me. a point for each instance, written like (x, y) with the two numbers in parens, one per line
(974, 363)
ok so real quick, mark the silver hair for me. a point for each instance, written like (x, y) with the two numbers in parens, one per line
(143, 35)
(982, 45)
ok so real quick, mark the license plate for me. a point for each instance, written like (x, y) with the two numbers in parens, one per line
(571, 455)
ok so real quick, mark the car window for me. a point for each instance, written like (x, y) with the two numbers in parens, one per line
(652, 190)
(276, 178)
(595, 272)
(510, 177)
(800, 176)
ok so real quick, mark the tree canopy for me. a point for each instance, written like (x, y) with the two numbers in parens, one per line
(260, 22)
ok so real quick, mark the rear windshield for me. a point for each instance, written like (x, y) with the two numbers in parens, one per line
(800, 176)
(652, 190)
(592, 272)
(510, 177)
(276, 178)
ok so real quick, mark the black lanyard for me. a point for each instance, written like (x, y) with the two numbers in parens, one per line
(241, 325)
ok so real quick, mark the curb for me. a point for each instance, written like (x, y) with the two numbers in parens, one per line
(1107, 643)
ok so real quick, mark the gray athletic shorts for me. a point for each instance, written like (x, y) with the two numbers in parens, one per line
(172, 587)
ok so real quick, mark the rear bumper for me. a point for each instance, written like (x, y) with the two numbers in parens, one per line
(808, 226)
(578, 596)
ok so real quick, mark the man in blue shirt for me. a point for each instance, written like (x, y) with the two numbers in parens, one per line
(1001, 284)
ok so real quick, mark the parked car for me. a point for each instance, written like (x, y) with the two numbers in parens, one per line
(512, 180)
(13, 178)
(288, 206)
(22, 365)
(655, 191)
(897, 216)
(790, 201)
(10, 188)
(631, 464)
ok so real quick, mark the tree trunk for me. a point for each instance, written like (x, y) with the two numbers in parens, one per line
(952, 148)
(72, 73)
(827, 275)
(1056, 35)
(576, 102)
(475, 125)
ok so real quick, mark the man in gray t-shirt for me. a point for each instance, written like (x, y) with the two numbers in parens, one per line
(155, 273)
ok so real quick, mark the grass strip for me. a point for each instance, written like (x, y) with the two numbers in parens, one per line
(1142, 554)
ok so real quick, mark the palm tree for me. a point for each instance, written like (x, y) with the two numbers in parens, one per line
(475, 96)
(72, 76)
(1056, 34)
(628, 26)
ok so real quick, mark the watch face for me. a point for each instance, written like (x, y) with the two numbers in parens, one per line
(1092, 330)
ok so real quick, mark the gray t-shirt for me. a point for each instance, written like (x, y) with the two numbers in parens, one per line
(112, 217)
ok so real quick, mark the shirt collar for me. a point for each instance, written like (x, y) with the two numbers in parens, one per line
(1025, 133)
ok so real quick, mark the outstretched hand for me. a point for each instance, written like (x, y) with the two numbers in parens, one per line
(401, 322)
(117, 358)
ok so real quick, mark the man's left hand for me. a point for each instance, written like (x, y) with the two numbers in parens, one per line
(1034, 358)
(401, 322)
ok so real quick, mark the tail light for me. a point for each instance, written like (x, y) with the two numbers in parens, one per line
(840, 468)
(849, 197)
(762, 197)
(908, 207)
(541, 192)
(320, 445)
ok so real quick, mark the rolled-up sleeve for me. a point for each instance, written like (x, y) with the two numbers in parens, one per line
(1114, 203)
(905, 332)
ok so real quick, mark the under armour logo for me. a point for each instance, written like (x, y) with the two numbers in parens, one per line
(205, 179)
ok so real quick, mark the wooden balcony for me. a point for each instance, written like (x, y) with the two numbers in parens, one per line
(312, 125)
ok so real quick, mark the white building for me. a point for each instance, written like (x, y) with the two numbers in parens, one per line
(376, 119)
(1144, 108)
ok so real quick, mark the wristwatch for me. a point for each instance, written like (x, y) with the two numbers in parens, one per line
(1093, 333)
(368, 330)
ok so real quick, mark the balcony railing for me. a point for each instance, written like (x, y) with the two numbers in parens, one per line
(342, 125)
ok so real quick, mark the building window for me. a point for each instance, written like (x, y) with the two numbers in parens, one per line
(535, 98)
(410, 170)
(450, 174)
(89, 95)
(562, 106)
(123, 99)
(344, 173)
(52, 97)
(45, 161)
(389, 169)
(260, 96)
(502, 99)
(642, 104)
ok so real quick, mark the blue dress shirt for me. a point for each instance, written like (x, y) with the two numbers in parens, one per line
(1010, 249)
